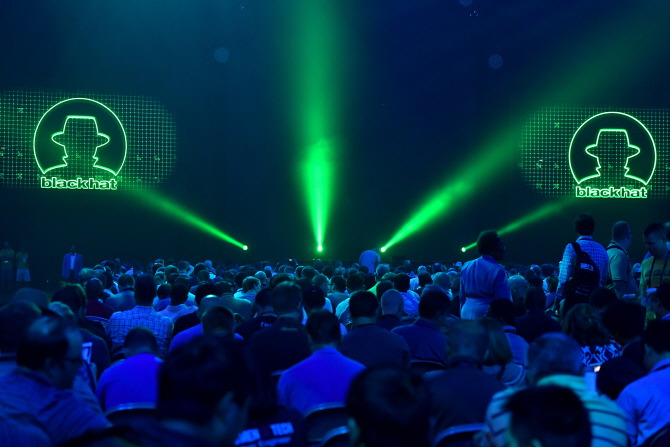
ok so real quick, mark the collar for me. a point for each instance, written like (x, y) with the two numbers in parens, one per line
(510, 329)
(148, 308)
(489, 258)
(575, 383)
(463, 361)
(328, 350)
(663, 364)
(585, 238)
(426, 323)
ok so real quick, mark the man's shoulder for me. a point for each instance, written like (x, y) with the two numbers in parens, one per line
(646, 264)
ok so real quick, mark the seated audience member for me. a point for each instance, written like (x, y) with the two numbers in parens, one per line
(401, 284)
(143, 314)
(443, 281)
(388, 407)
(625, 322)
(424, 280)
(134, 379)
(499, 361)
(314, 299)
(601, 297)
(265, 315)
(193, 319)
(548, 416)
(460, 394)
(15, 319)
(262, 278)
(552, 286)
(661, 302)
(646, 402)
(616, 374)
(502, 310)
(392, 304)
(163, 296)
(250, 287)
(285, 343)
(382, 269)
(125, 299)
(95, 309)
(585, 325)
(323, 377)
(535, 322)
(354, 284)
(382, 287)
(424, 338)
(456, 292)
(38, 393)
(369, 344)
(206, 303)
(218, 320)
(518, 286)
(321, 281)
(338, 287)
(177, 308)
(556, 359)
(240, 306)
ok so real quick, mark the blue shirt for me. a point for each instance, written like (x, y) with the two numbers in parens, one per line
(484, 278)
(425, 340)
(596, 252)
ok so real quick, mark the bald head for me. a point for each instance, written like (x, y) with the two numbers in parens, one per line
(209, 302)
(517, 285)
(621, 234)
(392, 303)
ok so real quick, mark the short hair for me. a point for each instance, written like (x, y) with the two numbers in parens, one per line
(263, 298)
(320, 279)
(262, 277)
(620, 231)
(15, 319)
(382, 288)
(221, 366)
(584, 324)
(425, 279)
(339, 282)
(554, 353)
(657, 336)
(487, 242)
(308, 272)
(318, 266)
(126, 281)
(548, 270)
(218, 319)
(45, 338)
(278, 279)
(249, 283)
(499, 351)
(140, 337)
(602, 297)
(222, 287)
(502, 308)
(390, 299)
(323, 327)
(535, 299)
(363, 304)
(313, 298)
(203, 290)
(656, 229)
(71, 294)
(443, 280)
(551, 415)
(364, 269)
(179, 293)
(286, 298)
(390, 407)
(625, 319)
(585, 225)
(165, 290)
(328, 271)
(94, 289)
(145, 289)
(382, 269)
(468, 336)
(434, 302)
(355, 282)
(401, 282)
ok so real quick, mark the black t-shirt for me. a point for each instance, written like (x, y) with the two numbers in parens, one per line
(248, 328)
(279, 346)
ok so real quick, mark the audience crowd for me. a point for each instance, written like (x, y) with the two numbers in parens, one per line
(483, 353)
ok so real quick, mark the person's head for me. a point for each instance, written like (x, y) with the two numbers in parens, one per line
(443, 281)
(204, 290)
(140, 340)
(585, 225)
(621, 234)
(364, 269)
(52, 347)
(15, 319)
(323, 329)
(308, 272)
(219, 320)
(251, 284)
(178, 294)
(94, 289)
(552, 284)
(547, 270)
(616, 374)
(163, 291)
(319, 266)
(624, 320)
(601, 297)
(551, 354)
(145, 290)
(216, 403)
(502, 310)
(313, 299)
(585, 325)
(355, 283)
(74, 297)
(498, 350)
(661, 301)
(425, 279)
(387, 408)
(488, 243)
(322, 282)
(382, 288)
(392, 303)
(535, 299)
(262, 277)
(339, 284)
(28, 295)
(655, 240)
(278, 279)
(434, 305)
(656, 342)
(467, 338)
(547, 416)
(518, 286)
(73, 249)
(287, 299)
(263, 302)
(363, 307)
(401, 282)
(382, 269)
(126, 282)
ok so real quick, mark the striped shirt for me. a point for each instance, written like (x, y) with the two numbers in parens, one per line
(598, 255)
(608, 423)
(145, 316)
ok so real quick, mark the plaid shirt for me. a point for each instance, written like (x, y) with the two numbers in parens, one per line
(597, 253)
(122, 322)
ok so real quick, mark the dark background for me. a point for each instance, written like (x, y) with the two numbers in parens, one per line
(420, 97)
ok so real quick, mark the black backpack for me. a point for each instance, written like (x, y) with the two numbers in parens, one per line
(585, 278)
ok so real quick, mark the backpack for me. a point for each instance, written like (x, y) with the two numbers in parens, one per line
(585, 278)
(610, 282)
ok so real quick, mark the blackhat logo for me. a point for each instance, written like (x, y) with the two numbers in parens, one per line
(584, 157)
(111, 143)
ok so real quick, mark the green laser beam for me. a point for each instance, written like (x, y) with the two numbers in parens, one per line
(178, 212)
(317, 171)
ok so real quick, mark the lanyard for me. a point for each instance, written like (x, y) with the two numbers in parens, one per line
(651, 273)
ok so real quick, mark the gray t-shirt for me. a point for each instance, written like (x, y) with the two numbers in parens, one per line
(620, 269)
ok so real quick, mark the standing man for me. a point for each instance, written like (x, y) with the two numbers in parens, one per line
(370, 259)
(620, 268)
(22, 272)
(6, 268)
(72, 265)
(655, 270)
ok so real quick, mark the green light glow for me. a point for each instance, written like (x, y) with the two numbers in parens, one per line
(319, 248)
(178, 212)
(464, 249)
(317, 174)
(383, 249)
